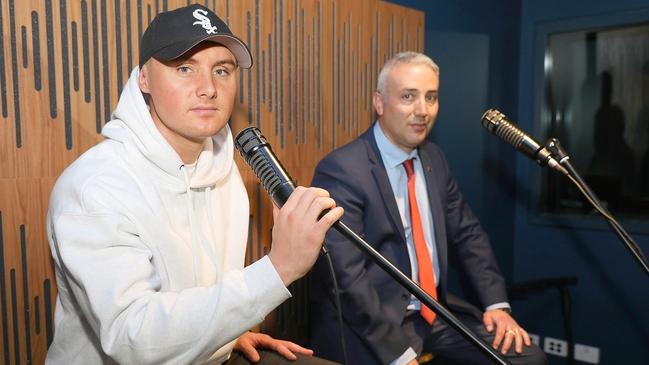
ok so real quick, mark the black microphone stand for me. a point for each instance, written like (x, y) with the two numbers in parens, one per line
(256, 151)
(418, 292)
(560, 154)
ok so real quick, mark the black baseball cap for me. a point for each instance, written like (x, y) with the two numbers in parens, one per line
(172, 33)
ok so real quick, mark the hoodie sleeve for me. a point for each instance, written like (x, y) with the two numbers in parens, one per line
(109, 272)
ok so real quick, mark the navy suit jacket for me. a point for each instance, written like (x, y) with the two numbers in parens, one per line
(374, 304)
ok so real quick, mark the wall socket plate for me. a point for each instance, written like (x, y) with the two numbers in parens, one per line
(587, 354)
(536, 339)
(555, 346)
(558, 347)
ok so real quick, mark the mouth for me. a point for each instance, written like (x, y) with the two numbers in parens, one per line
(419, 127)
(204, 110)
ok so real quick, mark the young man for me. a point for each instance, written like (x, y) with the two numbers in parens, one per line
(399, 194)
(148, 228)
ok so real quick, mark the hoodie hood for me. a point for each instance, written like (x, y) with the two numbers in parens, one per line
(131, 124)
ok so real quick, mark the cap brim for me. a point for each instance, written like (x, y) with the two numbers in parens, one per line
(232, 43)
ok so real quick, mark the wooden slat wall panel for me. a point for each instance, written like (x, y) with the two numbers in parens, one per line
(64, 62)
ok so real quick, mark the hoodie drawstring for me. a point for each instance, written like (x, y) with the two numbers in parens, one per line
(190, 215)
(197, 238)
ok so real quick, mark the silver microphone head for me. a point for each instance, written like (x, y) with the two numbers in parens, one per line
(496, 122)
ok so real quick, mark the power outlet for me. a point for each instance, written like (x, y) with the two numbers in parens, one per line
(536, 339)
(555, 346)
(587, 354)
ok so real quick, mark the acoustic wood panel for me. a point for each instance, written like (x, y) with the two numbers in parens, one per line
(64, 62)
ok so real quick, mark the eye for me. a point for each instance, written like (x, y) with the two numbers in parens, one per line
(431, 98)
(183, 69)
(223, 71)
(407, 97)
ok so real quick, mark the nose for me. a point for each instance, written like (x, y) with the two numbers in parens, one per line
(206, 87)
(421, 107)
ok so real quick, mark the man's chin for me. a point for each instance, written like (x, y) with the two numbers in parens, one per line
(419, 138)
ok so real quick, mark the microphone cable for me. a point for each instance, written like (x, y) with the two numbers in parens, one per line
(336, 295)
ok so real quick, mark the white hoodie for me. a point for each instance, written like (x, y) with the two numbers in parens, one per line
(149, 260)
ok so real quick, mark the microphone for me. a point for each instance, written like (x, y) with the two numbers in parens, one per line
(256, 151)
(496, 122)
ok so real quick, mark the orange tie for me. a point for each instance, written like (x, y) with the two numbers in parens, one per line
(424, 262)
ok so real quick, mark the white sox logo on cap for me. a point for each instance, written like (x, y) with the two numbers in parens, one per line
(204, 21)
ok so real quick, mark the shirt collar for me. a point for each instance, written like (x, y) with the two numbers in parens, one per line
(392, 155)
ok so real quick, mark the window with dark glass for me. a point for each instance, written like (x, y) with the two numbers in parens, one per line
(596, 101)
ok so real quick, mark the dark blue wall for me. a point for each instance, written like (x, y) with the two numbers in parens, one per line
(611, 299)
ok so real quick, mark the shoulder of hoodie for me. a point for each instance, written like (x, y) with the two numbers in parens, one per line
(92, 180)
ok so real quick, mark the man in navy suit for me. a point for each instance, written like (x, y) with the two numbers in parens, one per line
(383, 323)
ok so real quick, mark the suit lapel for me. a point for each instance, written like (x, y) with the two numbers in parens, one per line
(382, 181)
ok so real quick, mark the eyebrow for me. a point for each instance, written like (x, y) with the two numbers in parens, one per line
(417, 90)
(226, 62)
(179, 61)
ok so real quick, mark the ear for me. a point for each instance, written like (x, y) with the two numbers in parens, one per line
(377, 101)
(143, 79)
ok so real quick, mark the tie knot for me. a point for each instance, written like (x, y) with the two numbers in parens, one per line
(409, 166)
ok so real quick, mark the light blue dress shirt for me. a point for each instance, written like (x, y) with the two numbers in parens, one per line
(393, 158)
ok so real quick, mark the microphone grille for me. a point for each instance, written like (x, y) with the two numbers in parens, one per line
(247, 140)
(257, 153)
(265, 173)
(496, 122)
